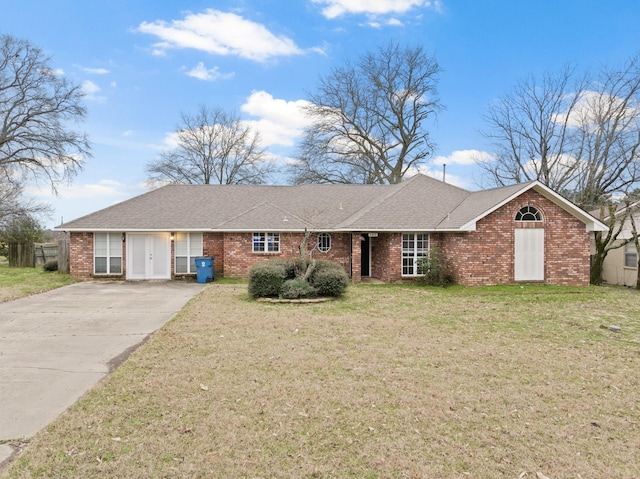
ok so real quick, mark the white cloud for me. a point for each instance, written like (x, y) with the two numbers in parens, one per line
(463, 157)
(337, 8)
(220, 33)
(103, 188)
(127, 133)
(280, 121)
(208, 74)
(593, 106)
(91, 91)
(94, 71)
(89, 88)
(464, 182)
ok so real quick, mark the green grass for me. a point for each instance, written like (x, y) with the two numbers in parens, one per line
(389, 381)
(20, 282)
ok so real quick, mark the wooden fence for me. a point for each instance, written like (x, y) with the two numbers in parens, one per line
(29, 255)
(63, 256)
(44, 252)
(21, 255)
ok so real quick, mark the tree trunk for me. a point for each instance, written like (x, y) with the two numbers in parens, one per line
(596, 266)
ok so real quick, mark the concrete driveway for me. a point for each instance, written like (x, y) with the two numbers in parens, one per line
(57, 345)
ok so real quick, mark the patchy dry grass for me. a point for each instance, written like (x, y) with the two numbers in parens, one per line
(393, 382)
(20, 282)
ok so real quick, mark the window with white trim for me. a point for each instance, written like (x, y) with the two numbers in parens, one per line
(107, 253)
(324, 242)
(529, 213)
(187, 247)
(266, 242)
(630, 255)
(414, 247)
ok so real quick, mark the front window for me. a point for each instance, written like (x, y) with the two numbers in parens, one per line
(188, 246)
(107, 253)
(324, 242)
(266, 242)
(630, 255)
(414, 247)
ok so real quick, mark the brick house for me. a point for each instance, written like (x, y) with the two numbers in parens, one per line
(519, 233)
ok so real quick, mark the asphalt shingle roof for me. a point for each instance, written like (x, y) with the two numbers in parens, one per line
(419, 203)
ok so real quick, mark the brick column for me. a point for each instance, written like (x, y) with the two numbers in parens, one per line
(356, 258)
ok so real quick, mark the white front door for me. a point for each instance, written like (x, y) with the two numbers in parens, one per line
(148, 256)
(529, 254)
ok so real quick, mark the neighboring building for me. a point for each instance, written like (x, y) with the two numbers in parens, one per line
(620, 266)
(519, 233)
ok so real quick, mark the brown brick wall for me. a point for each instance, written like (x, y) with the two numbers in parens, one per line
(238, 256)
(81, 259)
(386, 257)
(81, 256)
(486, 256)
(213, 245)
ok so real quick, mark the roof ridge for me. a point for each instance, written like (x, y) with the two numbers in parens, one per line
(395, 188)
(262, 205)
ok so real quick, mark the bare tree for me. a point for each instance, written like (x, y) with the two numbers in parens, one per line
(213, 147)
(532, 134)
(581, 138)
(36, 108)
(14, 206)
(369, 119)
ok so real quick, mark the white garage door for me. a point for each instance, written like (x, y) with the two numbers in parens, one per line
(529, 254)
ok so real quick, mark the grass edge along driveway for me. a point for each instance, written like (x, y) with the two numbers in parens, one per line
(391, 381)
(17, 283)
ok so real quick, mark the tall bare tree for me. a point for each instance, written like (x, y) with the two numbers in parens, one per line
(580, 137)
(213, 147)
(36, 110)
(532, 133)
(369, 119)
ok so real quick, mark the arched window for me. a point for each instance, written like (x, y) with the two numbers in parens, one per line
(529, 213)
(324, 242)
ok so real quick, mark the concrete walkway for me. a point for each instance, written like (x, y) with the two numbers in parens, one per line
(57, 345)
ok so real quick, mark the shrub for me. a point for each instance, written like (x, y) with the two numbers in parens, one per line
(329, 280)
(295, 288)
(266, 278)
(437, 269)
(51, 265)
(277, 277)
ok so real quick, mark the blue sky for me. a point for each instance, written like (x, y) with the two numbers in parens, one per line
(141, 63)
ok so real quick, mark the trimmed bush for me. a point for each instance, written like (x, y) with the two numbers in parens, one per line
(295, 289)
(51, 265)
(277, 277)
(329, 278)
(266, 278)
(437, 269)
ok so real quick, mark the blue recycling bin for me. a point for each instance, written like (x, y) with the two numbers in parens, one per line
(204, 267)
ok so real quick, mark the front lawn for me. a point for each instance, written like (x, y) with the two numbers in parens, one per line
(390, 381)
(19, 282)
